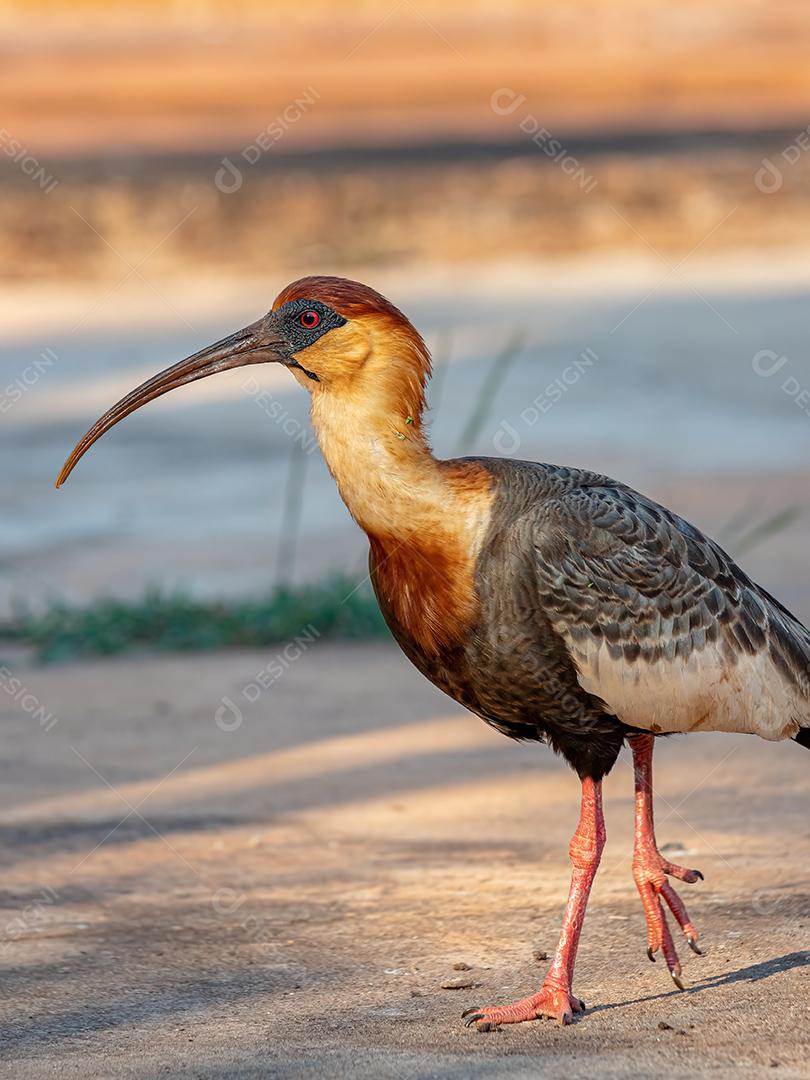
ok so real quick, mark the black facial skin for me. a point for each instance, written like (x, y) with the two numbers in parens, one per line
(300, 336)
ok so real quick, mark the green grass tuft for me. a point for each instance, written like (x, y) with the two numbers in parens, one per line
(174, 622)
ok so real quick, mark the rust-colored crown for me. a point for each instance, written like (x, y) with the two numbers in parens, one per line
(351, 299)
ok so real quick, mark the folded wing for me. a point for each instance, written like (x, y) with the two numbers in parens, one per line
(661, 623)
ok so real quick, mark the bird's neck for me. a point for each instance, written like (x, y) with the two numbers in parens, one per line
(376, 450)
(425, 519)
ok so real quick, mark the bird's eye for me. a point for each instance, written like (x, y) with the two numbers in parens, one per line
(309, 319)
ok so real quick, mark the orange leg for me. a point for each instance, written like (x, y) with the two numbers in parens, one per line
(650, 868)
(555, 999)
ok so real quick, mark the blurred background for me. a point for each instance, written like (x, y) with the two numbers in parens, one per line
(596, 212)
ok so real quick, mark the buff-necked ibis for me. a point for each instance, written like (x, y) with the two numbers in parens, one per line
(556, 604)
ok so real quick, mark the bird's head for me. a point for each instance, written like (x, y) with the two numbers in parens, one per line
(342, 340)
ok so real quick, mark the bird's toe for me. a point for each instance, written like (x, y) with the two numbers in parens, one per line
(650, 872)
(484, 1024)
(550, 1002)
(683, 873)
(472, 1016)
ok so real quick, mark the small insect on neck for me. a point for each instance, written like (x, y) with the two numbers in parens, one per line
(382, 465)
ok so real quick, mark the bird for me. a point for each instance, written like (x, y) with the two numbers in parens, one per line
(556, 604)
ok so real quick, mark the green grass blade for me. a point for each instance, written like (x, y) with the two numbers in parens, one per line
(485, 400)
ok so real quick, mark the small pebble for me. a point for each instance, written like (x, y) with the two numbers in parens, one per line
(461, 966)
(674, 847)
(664, 1026)
(540, 955)
(463, 982)
(416, 993)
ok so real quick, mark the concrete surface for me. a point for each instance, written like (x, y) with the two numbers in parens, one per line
(282, 894)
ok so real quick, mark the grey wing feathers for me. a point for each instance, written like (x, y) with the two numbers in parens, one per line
(661, 622)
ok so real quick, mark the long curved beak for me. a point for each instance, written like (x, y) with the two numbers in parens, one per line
(259, 343)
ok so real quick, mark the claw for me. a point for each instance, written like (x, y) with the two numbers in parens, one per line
(651, 871)
(473, 1015)
(552, 1000)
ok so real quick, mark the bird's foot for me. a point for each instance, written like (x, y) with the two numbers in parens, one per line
(650, 872)
(551, 1002)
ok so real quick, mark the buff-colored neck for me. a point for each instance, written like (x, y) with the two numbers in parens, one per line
(426, 519)
(374, 444)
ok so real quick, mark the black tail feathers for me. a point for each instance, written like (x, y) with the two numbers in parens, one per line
(803, 738)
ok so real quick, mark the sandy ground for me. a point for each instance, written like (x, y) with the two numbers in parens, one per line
(285, 898)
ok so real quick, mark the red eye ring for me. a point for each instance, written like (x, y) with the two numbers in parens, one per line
(309, 319)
